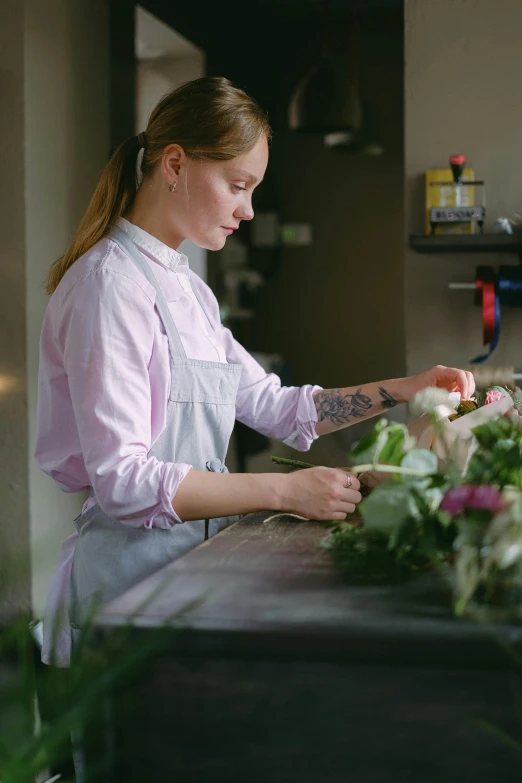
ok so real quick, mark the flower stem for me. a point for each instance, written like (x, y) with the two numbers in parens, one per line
(297, 464)
(389, 469)
(292, 463)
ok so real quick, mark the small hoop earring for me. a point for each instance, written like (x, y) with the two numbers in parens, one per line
(173, 187)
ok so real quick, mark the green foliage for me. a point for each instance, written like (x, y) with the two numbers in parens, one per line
(370, 445)
(98, 669)
(404, 532)
(498, 458)
(364, 555)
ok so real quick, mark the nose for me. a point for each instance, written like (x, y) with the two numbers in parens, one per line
(245, 211)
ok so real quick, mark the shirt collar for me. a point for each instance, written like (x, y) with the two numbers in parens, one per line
(163, 254)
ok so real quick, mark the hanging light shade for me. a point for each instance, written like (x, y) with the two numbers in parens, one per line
(366, 142)
(326, 102)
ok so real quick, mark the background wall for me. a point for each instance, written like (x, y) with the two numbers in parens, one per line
(463, 94)
(67, 146)
(54, 131)
(14, 483)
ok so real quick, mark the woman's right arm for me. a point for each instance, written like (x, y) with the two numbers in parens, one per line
(314, 493)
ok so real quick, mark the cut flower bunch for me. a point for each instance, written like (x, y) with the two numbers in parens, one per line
(445, 492)
(456, 503)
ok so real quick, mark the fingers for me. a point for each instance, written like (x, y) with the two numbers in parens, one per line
(465, 383)
(471, 382)
(461, 382)
(344, 510)
(342, 514)
(454, 379)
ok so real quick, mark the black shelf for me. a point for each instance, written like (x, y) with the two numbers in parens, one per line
(466, 243)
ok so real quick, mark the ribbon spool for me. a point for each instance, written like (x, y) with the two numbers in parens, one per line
(486, 295)
(509, 286)
(491, 291)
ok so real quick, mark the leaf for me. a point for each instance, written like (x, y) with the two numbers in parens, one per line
(364, 451)
(467, 576)
(387, 506)
(392, 452)
(434, 497)
(517, 400)
(420, 459)
(382, 440)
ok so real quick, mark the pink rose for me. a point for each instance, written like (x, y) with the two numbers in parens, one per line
(493, 396)
(471, 496)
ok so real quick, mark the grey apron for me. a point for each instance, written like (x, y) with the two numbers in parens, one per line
(110, 557)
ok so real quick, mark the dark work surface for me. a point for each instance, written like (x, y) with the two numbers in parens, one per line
(269, 588)
(283, 673)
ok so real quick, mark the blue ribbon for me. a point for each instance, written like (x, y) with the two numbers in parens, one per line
(493, 344)
(508, 290)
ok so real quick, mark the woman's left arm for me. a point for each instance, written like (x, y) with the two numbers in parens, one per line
(338, 408)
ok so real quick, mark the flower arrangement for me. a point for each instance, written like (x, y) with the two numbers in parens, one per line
(454, 504)
(465, 510)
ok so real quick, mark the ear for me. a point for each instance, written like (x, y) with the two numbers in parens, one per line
(173, 160)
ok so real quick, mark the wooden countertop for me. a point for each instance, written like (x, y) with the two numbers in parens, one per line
(266, 587)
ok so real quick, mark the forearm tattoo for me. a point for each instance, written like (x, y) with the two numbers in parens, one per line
(387, 401)
(339, 408)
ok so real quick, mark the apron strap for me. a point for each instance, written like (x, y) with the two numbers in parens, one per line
(195, 292)
(129, 248)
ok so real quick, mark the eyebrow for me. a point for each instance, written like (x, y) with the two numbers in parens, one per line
(244, 175)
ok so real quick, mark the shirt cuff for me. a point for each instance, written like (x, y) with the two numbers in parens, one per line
(165, 517)
(306, 419)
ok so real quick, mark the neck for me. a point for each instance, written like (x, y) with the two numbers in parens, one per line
(147, 212)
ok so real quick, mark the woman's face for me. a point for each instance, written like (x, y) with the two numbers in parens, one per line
(213, 197)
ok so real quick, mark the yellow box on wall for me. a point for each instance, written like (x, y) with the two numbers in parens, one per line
(444, 196)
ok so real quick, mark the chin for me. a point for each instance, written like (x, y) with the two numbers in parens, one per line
(210, 241)
(216, 244)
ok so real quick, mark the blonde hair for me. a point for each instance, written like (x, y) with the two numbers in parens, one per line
(209, 117)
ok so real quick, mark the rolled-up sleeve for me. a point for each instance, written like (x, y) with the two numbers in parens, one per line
(107, 337)
(286, 413)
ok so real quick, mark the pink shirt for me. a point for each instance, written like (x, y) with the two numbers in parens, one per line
(104, 379)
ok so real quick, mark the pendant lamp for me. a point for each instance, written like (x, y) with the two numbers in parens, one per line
(326, 102)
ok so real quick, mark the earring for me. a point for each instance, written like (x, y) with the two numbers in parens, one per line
(173, 187)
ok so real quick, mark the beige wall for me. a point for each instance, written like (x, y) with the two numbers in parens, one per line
(14, 519)
(54, 131)
(463, 94)
(67, 145)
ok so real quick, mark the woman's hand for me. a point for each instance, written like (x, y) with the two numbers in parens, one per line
(320, 493)
(441, 377)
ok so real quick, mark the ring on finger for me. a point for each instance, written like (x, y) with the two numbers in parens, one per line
(349, 482)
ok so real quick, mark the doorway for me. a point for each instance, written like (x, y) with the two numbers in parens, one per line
(164, 61)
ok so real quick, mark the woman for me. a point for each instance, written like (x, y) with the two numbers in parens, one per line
(139, 381)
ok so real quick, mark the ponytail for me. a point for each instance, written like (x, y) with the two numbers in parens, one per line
(112, 198)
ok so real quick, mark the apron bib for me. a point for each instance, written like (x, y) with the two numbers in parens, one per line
(110, 557)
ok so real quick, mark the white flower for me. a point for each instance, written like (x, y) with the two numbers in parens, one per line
(430, 398)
